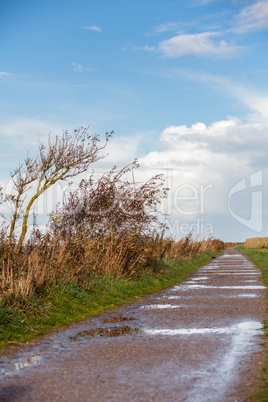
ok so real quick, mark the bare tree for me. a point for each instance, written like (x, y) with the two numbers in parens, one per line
(62, 158)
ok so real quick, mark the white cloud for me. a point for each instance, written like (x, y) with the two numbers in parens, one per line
(205, 2)
(93, 28)
(146, 48)
(200, 146)
(4, 73)
(253, 17)
(167, 27)
(80, 68)
(201, 44)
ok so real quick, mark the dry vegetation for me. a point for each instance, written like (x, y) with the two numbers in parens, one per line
(48, 260)
(107, 228)
(256, 242)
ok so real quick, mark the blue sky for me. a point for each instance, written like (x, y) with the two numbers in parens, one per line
(182, 83)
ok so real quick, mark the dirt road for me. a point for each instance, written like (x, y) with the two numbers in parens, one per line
(198, 341)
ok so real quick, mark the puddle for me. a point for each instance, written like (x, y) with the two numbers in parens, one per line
(112, 320)
(245, 287)
(160, 306)
(20, 364)
(245, 327)
(240, 269)
(250, 325)
(184, 331)
(211, 267)
(243, 295)
(110, 332)
(236, 273)
(171, 297)
(199, 278)
(175, 297)
(234, 256)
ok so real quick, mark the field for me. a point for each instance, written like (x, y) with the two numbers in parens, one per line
(256, 242)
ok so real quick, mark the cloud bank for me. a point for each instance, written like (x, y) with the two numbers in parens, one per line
(225, 144)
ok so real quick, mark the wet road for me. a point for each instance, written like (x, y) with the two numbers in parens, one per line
(198, 341)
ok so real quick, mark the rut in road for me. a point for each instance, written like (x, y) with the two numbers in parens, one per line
(197, 341)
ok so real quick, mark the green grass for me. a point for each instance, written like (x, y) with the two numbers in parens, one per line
(66, 303)
(260, 259)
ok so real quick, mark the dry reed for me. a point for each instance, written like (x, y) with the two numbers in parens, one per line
(45, 261)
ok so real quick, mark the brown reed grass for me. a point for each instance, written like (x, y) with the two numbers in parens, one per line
(127, 255)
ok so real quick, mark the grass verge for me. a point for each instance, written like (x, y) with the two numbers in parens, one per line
(67, 302)
(260, 259)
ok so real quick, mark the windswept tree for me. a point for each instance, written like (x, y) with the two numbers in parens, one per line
(61, 159)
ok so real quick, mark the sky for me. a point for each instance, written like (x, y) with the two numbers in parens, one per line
(182, 83)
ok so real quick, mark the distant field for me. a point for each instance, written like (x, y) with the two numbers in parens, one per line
(256, 242)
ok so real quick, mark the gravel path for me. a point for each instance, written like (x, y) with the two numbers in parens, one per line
(197, 341)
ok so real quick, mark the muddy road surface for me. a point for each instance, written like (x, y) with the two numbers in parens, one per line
(197, 341)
